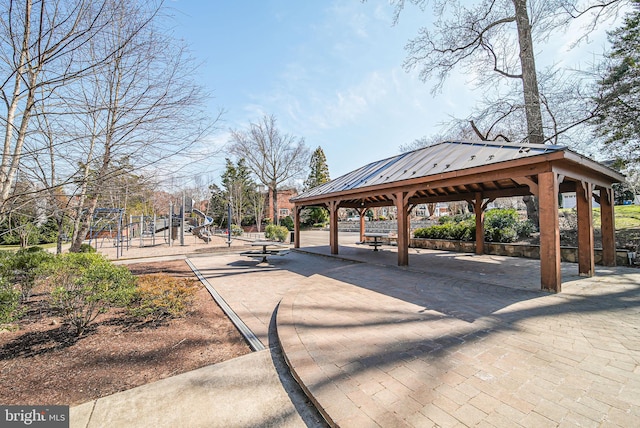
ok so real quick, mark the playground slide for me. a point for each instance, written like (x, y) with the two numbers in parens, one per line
(162, 229)
(202, 231)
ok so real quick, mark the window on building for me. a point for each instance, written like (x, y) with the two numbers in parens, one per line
(284, 212)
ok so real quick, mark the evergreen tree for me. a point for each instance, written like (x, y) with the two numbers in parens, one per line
(319, 173)
(217, 205)
(238, 186)
(619, 91)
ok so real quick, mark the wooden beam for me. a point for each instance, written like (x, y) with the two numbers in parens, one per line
(493, 194)
(580, 174)
(588, 164)
(333, 226)
(401, 199)
(478, 208)
(607, 227)
(296, 226)
(550, 275)
(487, 202)
(584, 196)
(361, 212)
(568, 186)
(526, 181)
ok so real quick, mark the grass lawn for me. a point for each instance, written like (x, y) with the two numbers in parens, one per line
(17, 247)
(627, 216)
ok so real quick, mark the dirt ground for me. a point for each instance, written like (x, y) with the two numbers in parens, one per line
(41, 363)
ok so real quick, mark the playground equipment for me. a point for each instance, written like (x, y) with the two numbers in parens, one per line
(108, 224)
(202, 231)
(172, 227)
(146, 229)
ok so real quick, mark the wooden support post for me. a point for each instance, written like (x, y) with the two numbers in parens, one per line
(401, 201)
(361, 212)
(608, 227)
(584, 196)
(409, 210)
(333, 226)
(550, 275)
(296, 226)
(478, 209)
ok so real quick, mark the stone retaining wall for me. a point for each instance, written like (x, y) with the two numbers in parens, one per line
(385, 226)
(567, 254)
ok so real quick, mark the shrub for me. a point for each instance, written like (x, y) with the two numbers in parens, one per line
(525, 228)
(161, 296)
(236, 230)
(22, 268)
(9, 303)
(86, 285)
(500, 225)
(86, 248)
(287, 222)
(449, 229)
(444, 219)
(274, 232)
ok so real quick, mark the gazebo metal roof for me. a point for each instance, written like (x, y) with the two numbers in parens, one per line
(442, 160)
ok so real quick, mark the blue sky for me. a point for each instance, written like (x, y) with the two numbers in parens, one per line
(330, 71)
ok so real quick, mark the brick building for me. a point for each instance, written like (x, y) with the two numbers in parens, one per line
(285, 208)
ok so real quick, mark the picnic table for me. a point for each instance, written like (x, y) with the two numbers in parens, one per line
(268, 248)
(376, 242)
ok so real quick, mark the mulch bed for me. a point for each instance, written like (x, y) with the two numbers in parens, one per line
(42, 363)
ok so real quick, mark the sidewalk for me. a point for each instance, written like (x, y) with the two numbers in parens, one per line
(243, 392)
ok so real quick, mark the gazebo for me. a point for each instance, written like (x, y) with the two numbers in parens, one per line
(480, 172)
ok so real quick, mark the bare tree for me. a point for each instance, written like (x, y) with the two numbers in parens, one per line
(139, 104)
(123, 116)
(494, 39)
(272, 156)
(257, 202)
(40, 43)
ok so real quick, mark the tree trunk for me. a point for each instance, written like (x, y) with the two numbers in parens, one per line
(60, 224)
(432, 209)
(83, 225)
(533, 215)
(274, 203)
(529, 76)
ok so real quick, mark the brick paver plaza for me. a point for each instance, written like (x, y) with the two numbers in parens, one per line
(452, 340)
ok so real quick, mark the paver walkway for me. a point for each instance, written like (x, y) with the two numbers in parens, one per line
(443, 344)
